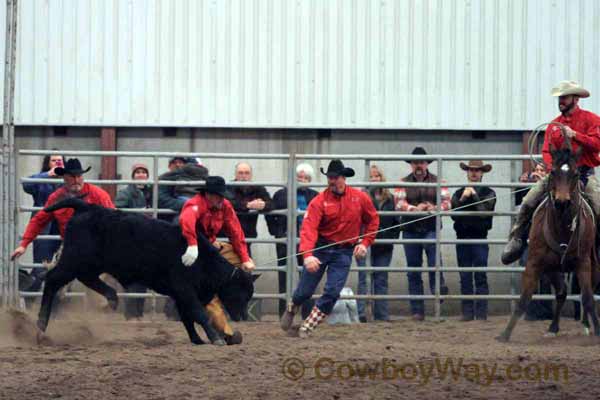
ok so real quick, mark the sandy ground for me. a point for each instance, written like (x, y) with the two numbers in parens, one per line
(106, 358)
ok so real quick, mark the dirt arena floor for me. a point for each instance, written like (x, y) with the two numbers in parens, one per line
(104, 357)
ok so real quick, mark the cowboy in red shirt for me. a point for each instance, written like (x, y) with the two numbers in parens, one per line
(583, 128)
(73, 186)
(336, 216)
(211, 212)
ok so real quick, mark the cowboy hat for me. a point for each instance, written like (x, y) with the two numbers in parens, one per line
(336, 168)
(476, 164)
(419, 151)
(72, 167)
(214, 185)
(565, 88)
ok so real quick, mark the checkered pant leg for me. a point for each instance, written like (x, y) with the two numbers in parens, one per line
(315, 317)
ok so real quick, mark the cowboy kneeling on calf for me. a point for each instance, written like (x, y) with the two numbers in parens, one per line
(334, 217)
(583, 129)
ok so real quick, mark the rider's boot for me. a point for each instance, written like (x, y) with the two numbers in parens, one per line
(518, 236)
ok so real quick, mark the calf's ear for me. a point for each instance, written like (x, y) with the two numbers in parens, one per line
(255, 277)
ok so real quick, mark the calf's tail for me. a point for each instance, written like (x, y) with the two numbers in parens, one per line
(73, 202)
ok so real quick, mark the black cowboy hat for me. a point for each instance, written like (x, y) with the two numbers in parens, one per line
(214, 185)
(419, 151)
(72, 167)
(336, 168)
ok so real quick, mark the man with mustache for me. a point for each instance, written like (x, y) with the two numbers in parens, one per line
(415, 199)
(583, 128)
(334, 218)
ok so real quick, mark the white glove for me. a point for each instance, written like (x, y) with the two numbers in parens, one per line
(189, 256)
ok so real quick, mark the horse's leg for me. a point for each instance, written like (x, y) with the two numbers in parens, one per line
(99, 286)
(587, 295)
(530, 278)
(560, 290)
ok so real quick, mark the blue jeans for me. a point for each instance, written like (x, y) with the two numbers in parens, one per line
(473, 255)
(337, 264)
(379, 282)
(414, 258)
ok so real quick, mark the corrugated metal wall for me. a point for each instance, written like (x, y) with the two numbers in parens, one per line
(403, 64)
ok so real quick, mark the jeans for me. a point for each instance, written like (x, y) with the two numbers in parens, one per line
(281, 253)
(336, 261)
(473, 255)
(414, 258)
(379, 282)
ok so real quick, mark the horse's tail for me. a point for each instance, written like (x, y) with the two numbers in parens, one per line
(72, 202)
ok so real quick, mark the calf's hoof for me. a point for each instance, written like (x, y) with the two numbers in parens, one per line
(236, 338)
(503, 338)
(42, 325)
(197, 341)
(218, 342)
(42, 339)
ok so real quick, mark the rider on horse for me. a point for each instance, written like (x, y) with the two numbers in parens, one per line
(583, 128)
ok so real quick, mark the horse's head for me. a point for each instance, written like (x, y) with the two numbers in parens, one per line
(564, 177)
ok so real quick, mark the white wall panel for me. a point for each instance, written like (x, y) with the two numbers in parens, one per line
(385, 64)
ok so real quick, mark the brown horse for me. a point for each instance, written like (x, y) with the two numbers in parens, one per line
(562, 239)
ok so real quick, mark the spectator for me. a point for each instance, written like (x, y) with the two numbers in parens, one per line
(381, 254)
(277, 224)
(415, 199)
(480, 198)
(248, 201)
(174, 197)
(135, 196)
(539, 309)
(43, 250)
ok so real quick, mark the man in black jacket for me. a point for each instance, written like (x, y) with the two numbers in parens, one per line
(277, 224)
(248, 201)
(473, 227)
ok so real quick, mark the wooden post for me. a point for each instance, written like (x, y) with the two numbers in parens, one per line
(108, 142)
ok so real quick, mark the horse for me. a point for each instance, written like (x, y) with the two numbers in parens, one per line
(562, 239)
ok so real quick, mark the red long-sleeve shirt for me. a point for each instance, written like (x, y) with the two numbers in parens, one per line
(197, 211)
(338, 218)
(587, 126)
(94, 195)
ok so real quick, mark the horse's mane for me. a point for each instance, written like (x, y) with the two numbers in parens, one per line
(562, 156)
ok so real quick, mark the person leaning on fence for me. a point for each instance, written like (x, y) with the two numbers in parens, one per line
(583, 128)
(248, 201)
(43, 250)
(415, 199)
(73, 186)
(135, 196)
(470, 198)
(174, 197)
(277, 225)
(381, 254)
(210, 212)
(335, 218)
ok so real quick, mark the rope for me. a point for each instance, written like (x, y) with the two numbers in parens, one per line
(387, 229)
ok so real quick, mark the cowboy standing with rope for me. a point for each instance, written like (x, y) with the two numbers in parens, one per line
(583, 128)
(335, 217)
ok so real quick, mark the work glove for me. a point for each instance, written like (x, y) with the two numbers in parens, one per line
(190, 255)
